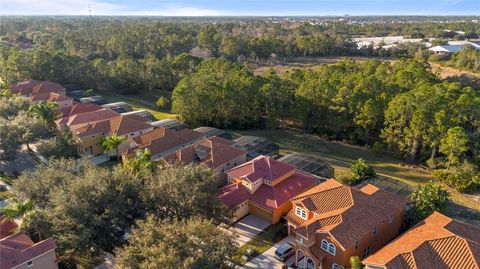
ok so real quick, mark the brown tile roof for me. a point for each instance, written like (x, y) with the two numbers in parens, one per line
(19, 248)
(46, 87)
(436, 242)
(7, 227)
(87, 117)
(261, 167)
(24, 87)
(211, 152)
(78, 108)
(163, 140)
(119, 125)
(346, 213)
(50, 97)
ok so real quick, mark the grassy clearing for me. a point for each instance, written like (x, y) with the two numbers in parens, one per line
(139, 103)
(263, 241)
(341, 156)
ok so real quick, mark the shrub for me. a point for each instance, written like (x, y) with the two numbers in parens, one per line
(162, 102)
(464, 178)
(360, 170)
(378, 147)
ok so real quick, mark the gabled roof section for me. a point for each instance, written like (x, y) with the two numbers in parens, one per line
(345, 213)
(19, 248)
(119, 125)
(24, 87)
(87, 117)
(50, 97)
(436, 242)
(262, 167)
(78, 108)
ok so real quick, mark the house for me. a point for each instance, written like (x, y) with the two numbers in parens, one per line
(263, 187)
(436, 242)
(33, 87)
(215, 153)
(332, 222)
(119, 107)
(88, 136)
(85, 118)
(453, 46)
(76, 108)
(170, 124)
(162, 142)
(7, 226)
(256, 146)
(52, 97)
(19, 251)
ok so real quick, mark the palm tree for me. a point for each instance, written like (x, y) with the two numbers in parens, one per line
(142, 163)
(46, 111)
(25, 211)
(112, 142)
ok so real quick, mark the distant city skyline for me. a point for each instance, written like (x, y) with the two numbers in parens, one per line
(241, 7)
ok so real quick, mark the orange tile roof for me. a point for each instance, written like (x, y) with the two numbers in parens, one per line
(216, 153)
(46, 87)
(436, 242)
(346, 213)
(50, 97)
(119, 125)
(87, 117)
(24, 87)
(261, 167)
(7, 227)
(78, 108)
(19, 248)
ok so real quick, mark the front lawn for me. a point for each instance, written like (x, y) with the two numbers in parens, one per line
(263, 241)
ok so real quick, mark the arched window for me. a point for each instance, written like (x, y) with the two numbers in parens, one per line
(328, 247)
(324, 245)
(335, 266)
(332, 249)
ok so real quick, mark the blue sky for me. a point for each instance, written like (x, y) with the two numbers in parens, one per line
(241, 7)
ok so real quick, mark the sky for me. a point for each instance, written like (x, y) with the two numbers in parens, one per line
(240, 7)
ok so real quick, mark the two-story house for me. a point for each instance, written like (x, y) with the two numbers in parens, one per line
(436, 242)
(264, 187)
(332, 222)
(216, 153)
(18, 251)
(88, 136)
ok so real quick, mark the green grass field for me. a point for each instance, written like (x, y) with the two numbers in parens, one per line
(341, 156)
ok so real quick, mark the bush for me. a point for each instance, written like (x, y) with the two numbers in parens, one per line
(378, 147)
(360, 170)
(464, 178)
(162, 102)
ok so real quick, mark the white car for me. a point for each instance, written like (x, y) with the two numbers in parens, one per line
(284, 252)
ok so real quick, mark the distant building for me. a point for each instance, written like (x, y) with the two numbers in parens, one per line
(119, 107)
(147, 116)
(170, 124)
(211, 132)
(19, 251)
(436, 242)
(453, 46)
(264, 187)
(333, 222)
(256, 146)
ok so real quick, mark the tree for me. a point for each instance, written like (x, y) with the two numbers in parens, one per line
(188, 244)
(162, 102)
(425, 200)
(46, 111)
(141, 164)
(360, 169)
(60, 146)
(454, 145)
(112, 142)
(355, 262)
(181, 192)
(29, 216)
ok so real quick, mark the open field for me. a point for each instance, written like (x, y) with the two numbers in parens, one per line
(341, 155)
(138, 103)
(446, 71)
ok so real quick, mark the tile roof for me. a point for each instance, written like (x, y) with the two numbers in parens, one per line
(19, 248)
(46, 87)
(346, 213)
(233, 194)
(87, 117)
(436, 242)
(7, 227)
(161, 140)
(50, 97)
(24, 87)
(211, 152)
(119, 125)
(78, 108)
(261, 167)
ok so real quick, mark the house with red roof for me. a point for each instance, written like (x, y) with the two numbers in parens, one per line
(19, 251)
(264, 187)
(76, 108)
(33, 87)
(88, 136)
(163, 142)
(216, 153)
(7, 226)
(333, 222)
(82, 119)
(62, 101)
(436, 242)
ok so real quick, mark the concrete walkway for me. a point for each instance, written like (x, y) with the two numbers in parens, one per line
(248, 227)
(267, 259)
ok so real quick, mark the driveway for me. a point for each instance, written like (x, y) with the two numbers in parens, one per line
(248, 227)
(267, 259)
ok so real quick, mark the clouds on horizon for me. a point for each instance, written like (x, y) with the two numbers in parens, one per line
(240, 7)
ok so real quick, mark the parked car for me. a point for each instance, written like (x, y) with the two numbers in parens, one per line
(284, 252)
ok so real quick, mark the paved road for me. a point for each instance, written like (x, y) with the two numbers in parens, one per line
(267, 259)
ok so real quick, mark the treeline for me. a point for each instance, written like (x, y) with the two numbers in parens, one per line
(400, 106)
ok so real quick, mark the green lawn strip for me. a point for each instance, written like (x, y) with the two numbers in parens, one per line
(263, 241)
(341, 156)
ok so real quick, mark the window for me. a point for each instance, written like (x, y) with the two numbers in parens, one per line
(332, 249)
(328, 247)
(356, 245)
(335, 266)
(30, 263)
(366, 252)
(302, 213)
(390, 219)
(374, 231)
(324, 245)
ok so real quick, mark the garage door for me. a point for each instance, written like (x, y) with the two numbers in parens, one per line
(260, 212)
